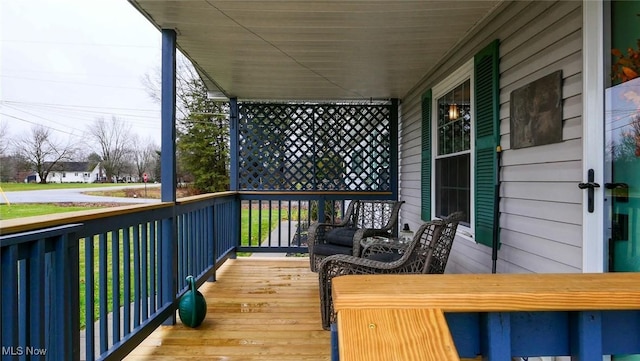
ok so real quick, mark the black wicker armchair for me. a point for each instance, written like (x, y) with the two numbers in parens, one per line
(428, 252)
(363, 219)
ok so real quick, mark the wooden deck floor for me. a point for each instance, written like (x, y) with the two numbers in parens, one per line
(259, 309)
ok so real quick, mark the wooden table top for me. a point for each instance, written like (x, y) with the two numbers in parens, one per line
(490, 292)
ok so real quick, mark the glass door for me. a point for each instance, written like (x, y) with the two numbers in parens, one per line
(622, 137)
(622, 122)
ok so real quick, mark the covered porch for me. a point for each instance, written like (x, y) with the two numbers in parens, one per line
(59, 273)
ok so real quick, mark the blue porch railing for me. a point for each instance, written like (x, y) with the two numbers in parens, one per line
(124, 268)
(93, 285)
(278, 221)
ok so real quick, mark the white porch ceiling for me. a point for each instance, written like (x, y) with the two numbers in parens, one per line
(315, 50)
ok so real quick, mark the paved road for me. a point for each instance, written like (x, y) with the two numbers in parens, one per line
(74, 195)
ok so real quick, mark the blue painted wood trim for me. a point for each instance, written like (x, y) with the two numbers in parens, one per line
(102, 287)
(168, 265)
(136, 276)
(168, 245)
(168, 112)
(126, 271)
(586, 336)
(23, 304)
(30, 236)
(153, 291)
(139, 334)
(335, 350)
(303, 196)
(89, 299)
(36, 281)
(497, 343)
(9, 296)
(234, 138)
(529, 332)
(64, 326)
(465, 330)
(72, 295)
(624, 323)
(115, 285)
(234, 168)
(144, 270)
(58, 295)
(394, 148)
(210, 239)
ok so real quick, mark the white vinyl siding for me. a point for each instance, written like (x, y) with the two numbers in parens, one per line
(541, 205)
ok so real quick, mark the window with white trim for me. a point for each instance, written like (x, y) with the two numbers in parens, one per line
(452, 139)
(460, 138)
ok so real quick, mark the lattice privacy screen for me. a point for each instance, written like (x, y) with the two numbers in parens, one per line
(309, 147)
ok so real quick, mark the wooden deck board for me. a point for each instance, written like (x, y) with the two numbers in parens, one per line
(258, 309)
(490, 292)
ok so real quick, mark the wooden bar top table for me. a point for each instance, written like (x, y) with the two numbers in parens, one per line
(400, 317)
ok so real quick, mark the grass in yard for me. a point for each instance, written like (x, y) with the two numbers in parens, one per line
(97, 244)
(263, 222)
(261, 225)
(19, 210)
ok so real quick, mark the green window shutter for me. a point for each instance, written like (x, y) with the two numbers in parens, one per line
(426, 157)
(487, 139)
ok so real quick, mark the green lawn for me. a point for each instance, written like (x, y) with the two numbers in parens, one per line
(266, 225)
(20, 210)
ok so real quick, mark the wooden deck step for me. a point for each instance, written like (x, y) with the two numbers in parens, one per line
(258, 309)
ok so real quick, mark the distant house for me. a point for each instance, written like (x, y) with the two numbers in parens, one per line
(70, 172)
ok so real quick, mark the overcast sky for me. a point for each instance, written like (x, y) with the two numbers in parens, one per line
(64, 63)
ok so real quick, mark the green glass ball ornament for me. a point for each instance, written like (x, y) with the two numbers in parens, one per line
(192, 307)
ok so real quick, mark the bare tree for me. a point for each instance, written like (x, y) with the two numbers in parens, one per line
(115, 141)
(4, 138)
(187, 83)
(42, 152)
(6, 162)
(144, 156)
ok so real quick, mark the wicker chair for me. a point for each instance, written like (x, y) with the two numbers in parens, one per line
(362, 219)
(428, 252)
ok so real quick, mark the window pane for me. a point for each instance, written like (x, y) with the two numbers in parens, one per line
(454, 117)
(453, 186)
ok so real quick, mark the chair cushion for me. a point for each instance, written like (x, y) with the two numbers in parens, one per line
(384, 257)
(330, 249)
(342, 236)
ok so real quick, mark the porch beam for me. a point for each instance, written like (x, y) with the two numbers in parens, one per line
(234, 137)
(168, 245)
(168, 113)
(394, 169)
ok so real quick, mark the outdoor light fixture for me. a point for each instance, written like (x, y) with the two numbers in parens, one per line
(453, 112)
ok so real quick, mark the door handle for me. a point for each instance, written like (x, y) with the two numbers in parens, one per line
(590, 186)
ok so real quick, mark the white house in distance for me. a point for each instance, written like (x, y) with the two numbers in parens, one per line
(70, 172)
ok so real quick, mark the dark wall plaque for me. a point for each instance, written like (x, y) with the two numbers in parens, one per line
(536, 112)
